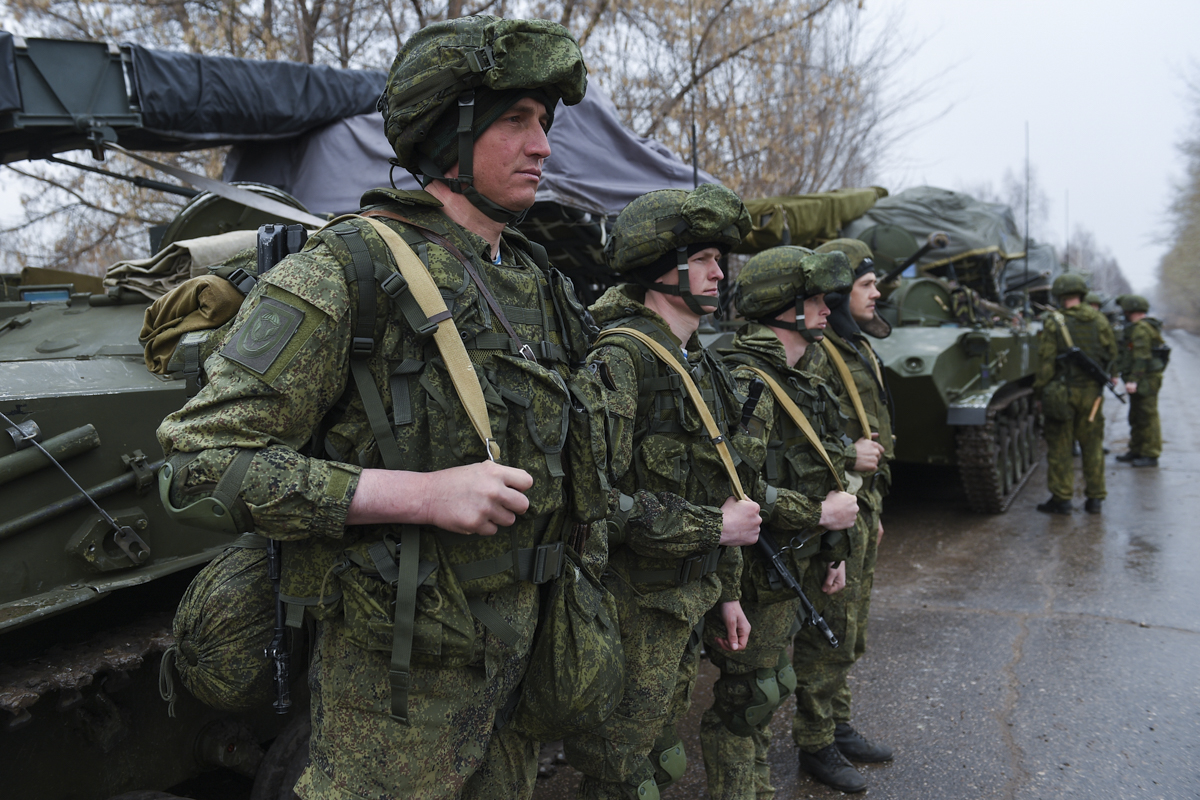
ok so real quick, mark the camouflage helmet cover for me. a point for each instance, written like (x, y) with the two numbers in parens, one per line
(778, 278)
(659, 222)
(1071, 283)
(1094, 298)
(862, 260)
(1131, 303)
(441, 61)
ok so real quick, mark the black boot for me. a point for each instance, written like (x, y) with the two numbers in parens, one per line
(1055, 506)
(1092, 506)
(831, 768)
(857, 747)
(1125, 458)
(1143, 461)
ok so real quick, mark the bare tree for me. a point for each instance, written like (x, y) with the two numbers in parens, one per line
(1179, 270)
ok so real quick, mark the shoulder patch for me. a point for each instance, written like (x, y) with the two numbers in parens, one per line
(263, 336)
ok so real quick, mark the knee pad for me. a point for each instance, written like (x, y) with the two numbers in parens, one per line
(766, 695)
(672, 761)
(785, 676)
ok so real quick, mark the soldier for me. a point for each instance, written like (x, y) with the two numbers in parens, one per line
(411, 703)
(1142, 364)
(821, 727)
(1094, 300)
(781, 292)
(1071, 399)
(676, 525)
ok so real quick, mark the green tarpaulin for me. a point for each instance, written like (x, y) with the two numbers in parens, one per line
(807, 219)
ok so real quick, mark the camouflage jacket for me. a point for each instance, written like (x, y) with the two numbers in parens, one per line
(660, 456)
(1090, 332)
(790, 463)
(275, 404)
(867, 372)
(1137, 358)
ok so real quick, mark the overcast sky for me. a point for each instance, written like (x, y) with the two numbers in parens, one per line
(1101, 85)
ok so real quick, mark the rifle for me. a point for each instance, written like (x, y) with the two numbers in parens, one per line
(770, 550)
(275, 241)
(1090, 368)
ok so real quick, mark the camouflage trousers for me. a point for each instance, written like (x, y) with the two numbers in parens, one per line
(1145, 430)
(822, 692)
(450, 747)
(661, 660)
(736, 764)
(1060, 464)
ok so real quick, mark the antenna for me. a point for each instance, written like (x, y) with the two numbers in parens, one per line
(1067, 226)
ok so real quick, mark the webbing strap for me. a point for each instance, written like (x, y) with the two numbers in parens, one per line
(399, 673)
(448, 341)
(1062, 327)
(534, 564)
(797, 416)
(492, 620)
(714, 434)
(226, 491)
(692, 568)
(848, 381)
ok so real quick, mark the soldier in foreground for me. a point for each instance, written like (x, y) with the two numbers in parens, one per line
(1071, 397)
(1142, 361)
(676, 527)
(821, 727)
(410, 703)
(781, 292)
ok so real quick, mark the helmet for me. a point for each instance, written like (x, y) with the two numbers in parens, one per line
(1131, 303)
(1094, 298)
(656, 231)
(782, 277)
(441, 65)
(1070, 283)
(862, 260)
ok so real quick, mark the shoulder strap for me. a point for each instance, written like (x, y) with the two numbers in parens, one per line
(797, 416)
(848, 380)
(449, 343)
(710, 425)
(1062, 327)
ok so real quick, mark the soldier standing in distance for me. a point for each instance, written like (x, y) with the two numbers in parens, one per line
(821, 727)
(781, 292)
(1142, 366)
(1071, 400)
(675, 526)
(425, 494)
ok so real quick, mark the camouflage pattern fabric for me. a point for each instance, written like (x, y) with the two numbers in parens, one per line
(661, 457)
(1139, 365)
(273, 405)
(736, 764)
(1061, 435)
(823, 692)
(1091, 333)
(771, 281)
(1145, 428)
(645, 229)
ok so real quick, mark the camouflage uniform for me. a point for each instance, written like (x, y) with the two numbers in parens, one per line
(823, 693)
(735, 753)
(666, 568)
(1089, 331)
(281, 379)
(1140, 365)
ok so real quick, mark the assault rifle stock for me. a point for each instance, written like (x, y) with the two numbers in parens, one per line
(1075, 356)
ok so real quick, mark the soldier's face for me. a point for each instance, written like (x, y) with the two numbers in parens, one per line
(510, 153)
(816, 313)
(704, 275)
(863, 295)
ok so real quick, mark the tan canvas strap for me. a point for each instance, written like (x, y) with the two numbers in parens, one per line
(843, 371)
(874, 363)
(1062, 327)
(710, 424)
(797, 416)
(449, 343)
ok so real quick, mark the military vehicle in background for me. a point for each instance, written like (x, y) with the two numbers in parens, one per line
(961, 356)
(91, 568)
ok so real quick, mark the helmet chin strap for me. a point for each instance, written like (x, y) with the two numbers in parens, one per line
(697, 304)
(810, 335)
(464, 183)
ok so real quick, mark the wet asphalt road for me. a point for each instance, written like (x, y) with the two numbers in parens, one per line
(1026, 656)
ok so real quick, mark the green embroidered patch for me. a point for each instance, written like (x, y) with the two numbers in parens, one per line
(263, 336)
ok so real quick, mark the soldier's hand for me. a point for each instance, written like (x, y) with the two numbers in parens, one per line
(739, 522)
(867, 453)
(838, 511)
(737, 627)
(475, 498)
(879, 535)
(835, 578)
(1131, 387)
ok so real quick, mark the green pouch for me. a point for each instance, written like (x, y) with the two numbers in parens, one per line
(1056, 402)
(576, 673)
(587, 448)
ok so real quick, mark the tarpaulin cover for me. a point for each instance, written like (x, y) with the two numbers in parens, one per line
(805, 220)
(214, 99)
(10, 91)
(597, 165)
